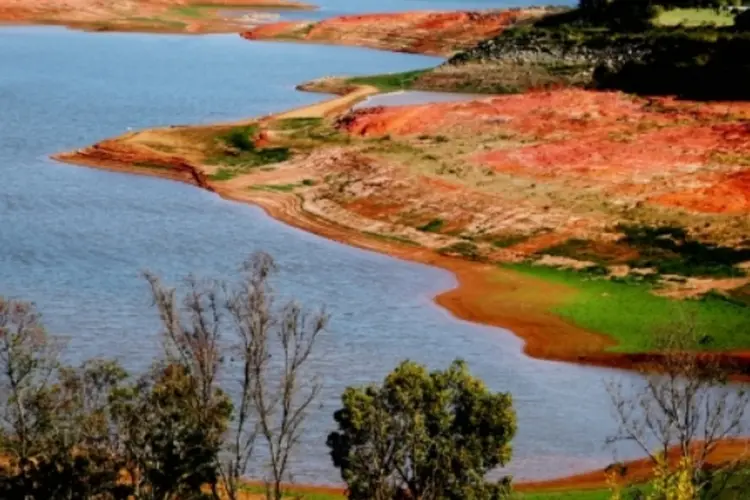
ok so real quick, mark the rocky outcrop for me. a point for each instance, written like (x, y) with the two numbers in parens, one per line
(532, 58)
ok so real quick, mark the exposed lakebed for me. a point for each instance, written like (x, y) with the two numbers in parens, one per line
(74, 240)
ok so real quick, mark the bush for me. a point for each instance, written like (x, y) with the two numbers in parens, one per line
(240, 138)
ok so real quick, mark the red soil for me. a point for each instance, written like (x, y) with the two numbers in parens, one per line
(651, 148)
(439, 33)
(591, 153)
(729, 195)
(128, 15)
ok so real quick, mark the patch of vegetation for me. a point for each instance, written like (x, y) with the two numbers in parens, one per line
(694, 17)
(631, 313)
(670, 250)
(603, 494)
(433, 226)
(466, 249)
(283, 188)
(575, 248)
(294, 493)
(391, 238)
(390, 82)
(190, 11)
(223, 174)
(509, 240)
(238, 153)
(302, 130)
(286, 188)
(240, 137)
(741, 295)
(297, 123)
(615, 45)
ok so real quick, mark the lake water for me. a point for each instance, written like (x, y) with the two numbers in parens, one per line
(74, 240)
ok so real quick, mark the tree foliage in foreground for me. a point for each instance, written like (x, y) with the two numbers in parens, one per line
(95, 432)
(423, 435)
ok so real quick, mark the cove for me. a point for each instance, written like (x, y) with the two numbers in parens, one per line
(74, 240)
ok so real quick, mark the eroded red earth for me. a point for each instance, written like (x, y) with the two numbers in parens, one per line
(440, 33)
(666, 152)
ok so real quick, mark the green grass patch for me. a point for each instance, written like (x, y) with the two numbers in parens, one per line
(433, 226)
(297, 123)
(237, 153)
(631, 314)
(694, 17)
(567, 495)
(390, 82)
(223, 174)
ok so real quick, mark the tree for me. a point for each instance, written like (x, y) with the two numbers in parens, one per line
(28, 361)
(680, 414)
(423, 435)
(72, 432)
(271, 346)
(57, 433)
(171, 451)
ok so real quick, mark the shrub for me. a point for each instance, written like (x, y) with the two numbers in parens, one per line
(433, 226)
(240, 138)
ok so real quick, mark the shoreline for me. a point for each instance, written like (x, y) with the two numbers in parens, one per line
(182, 17)
(546, 335)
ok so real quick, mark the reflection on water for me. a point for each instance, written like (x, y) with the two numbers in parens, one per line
(74, 239)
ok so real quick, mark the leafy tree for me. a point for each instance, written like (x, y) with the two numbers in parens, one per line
(171, 451)
(423, 435)
(84, 432)
(57, 433)
(91, 432)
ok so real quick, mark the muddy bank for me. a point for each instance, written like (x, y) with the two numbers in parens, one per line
(147, 16)
(433, 33)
